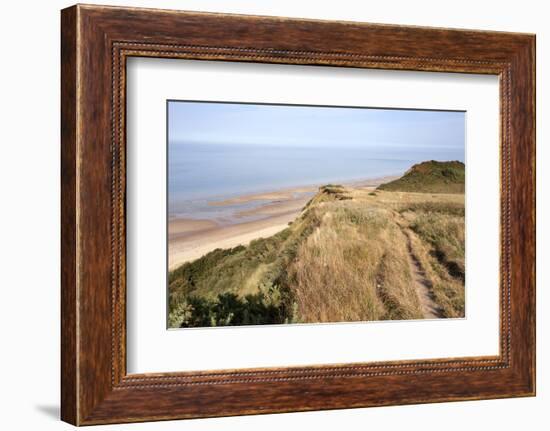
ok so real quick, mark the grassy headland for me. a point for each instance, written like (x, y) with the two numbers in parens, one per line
(353, 254)
(430, 177)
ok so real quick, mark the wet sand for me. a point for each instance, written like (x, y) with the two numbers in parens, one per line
(190, 239)
(280, 195)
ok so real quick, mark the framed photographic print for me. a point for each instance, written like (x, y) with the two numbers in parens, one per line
(265, 215)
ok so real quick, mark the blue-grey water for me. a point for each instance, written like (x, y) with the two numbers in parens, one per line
(202, 173)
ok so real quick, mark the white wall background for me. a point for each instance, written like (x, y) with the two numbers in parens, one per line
(29, 214)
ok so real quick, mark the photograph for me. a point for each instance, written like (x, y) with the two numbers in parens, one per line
(285, 214)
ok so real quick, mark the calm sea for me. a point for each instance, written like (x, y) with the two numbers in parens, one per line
(202, 173)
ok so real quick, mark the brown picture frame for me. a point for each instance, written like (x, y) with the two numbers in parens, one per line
(95, 43)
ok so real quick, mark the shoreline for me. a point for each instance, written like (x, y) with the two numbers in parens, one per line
(285, 192)
(189, 239)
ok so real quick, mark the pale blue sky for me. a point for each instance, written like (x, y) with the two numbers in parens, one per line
(306, 126)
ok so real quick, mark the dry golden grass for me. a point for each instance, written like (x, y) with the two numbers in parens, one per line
(440, 246)
(448, 291)
(353, 267)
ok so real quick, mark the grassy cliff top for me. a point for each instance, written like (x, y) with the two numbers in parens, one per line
(430, 177)
(346, 257)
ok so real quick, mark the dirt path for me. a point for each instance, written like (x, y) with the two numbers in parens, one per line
(422, 285)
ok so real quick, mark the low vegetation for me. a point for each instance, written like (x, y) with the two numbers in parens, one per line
(347, 257)
(430, 177)
(438, 243)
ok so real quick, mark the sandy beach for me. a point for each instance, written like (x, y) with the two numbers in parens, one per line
(190, 239)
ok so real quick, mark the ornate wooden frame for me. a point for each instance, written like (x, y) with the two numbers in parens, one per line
(96, 41)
